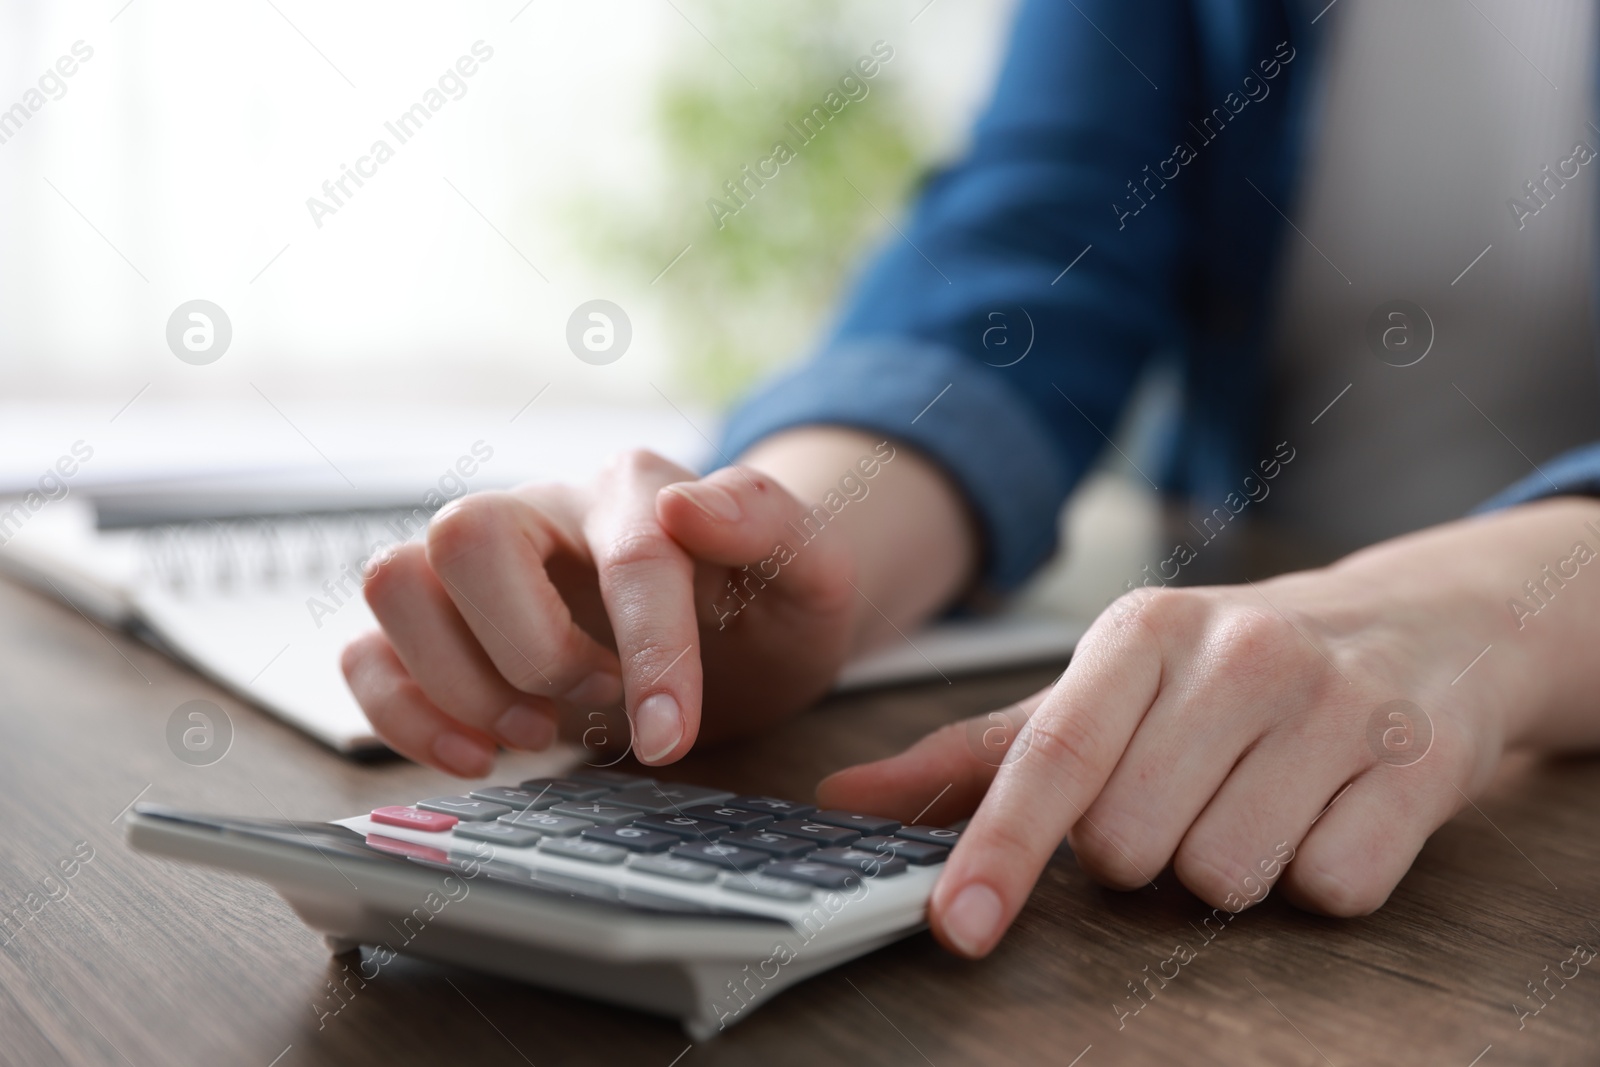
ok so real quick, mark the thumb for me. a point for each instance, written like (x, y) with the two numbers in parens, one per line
(735, 516)
(938, 780)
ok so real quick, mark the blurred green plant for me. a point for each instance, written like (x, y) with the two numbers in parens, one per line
(756, 289)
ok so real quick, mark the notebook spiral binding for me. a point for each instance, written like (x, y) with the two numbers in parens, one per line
(214, 556)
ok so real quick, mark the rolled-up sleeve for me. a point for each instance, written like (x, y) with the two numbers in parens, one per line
(1575, 473)
(1002, 327)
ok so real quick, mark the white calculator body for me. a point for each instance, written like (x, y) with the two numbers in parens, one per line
(674, 899)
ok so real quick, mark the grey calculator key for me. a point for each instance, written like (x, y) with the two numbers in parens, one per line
(501, 833)
(685, 827)
(519, 799)
(729, 857)
(873, 864)
(667, 797)
(597, 811)
(762, 886)
(738, 818)
(546, 824)
(607, 778)
(819, 832)
(579, 849)
(775, 806)
(867, 824)
(466, 809)
(821, 875)
(779, 846)
(916, 853)
(929, 835)
(632, 838)
(565, 788)
(672, 867)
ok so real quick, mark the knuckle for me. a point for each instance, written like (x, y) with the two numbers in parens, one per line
(1063, 741)
(1210, 874)
(357, 654)
(632, 462)
(1252, 640)
(1114, 858)
(469, 525)
(393, 572)
(641, 544)
(523, 674)
(1006, 840)
(1319, 888)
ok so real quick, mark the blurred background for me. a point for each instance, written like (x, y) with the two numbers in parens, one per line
(575, 163)
(193, 153)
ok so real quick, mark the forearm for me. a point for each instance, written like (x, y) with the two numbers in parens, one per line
(910, 535)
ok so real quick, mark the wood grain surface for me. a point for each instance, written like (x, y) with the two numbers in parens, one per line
(134, 960)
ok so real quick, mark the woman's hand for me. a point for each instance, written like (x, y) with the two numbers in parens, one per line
(707, 605)
(1336, 716)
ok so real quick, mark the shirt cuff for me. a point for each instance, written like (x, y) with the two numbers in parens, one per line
(1575, 473)
(959, 413)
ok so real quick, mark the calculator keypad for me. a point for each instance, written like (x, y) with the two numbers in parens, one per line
(754, 845)
(467, 809)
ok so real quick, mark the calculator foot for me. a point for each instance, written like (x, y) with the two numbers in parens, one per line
(340, 946)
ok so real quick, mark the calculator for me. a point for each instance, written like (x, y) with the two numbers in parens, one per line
(679, 900)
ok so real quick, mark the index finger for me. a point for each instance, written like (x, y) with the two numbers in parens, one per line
(647, 583)
(1074, 741)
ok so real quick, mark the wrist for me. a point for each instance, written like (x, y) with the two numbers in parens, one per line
(904, 527)
(1477, 616)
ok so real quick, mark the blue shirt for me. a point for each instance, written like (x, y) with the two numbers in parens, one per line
(1115, 203)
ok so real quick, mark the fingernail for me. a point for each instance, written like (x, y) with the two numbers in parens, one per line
(600, 688)
(717, 503)
(657, 727)
(462, 755)
(970, 920)
(522, 727)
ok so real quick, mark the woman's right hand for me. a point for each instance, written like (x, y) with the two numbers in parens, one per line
(693, 601)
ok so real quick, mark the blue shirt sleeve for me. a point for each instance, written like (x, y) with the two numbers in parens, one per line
(1002, 327)
(1569, 474)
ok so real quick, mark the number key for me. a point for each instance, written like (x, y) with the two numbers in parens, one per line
(737, 818)
(819, 832)
(633, 838)
(731, 857)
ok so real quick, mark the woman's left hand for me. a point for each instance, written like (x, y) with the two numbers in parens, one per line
(1316, 727)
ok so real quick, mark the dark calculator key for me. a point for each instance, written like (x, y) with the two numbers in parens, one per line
(867, 824)
(780, 846)
(565, 788)
(916, 853)
(518, 799)
(682, 825)
(501, 833)
(872, 864)
(632, 838)
(821, 875)
(929, 835)
(579, 849)
(600, 811)
(761, 886)
(673, 867)
(609, 779)
(546, 824)
(819, 832)
(776, 806)
(669, 797)
(467, 809)
(729, 857)
(738, 818)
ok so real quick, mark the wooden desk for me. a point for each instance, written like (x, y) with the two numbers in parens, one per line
(146, 962)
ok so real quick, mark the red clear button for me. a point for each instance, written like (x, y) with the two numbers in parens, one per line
(396, 815)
